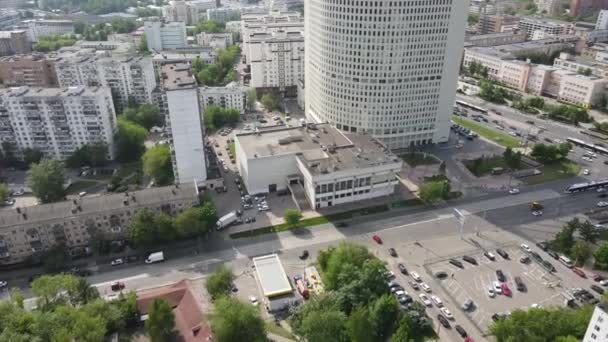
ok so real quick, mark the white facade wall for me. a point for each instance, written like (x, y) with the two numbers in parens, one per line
(602, 20)
(597, 330)
(165, 36)
(182, 11)
(538, 78)
(56, 121)
(184, 123)
(223, 14)
(553, 28)
(515, 74)
(261, 172)
(581, 90)
(38, 28)
(276, 59)
(355, 83)
(226, 97)
(550, 7)
(491, 62)
(214, 40)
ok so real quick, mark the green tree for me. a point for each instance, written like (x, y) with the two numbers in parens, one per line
(334, 260)
(51, 290)
(146, 115)
(512, 159)
(601, 256)
(143, 44)
(432, 191)
(32, 156)
(219, 283)
(580, 252)
(157, 164)
(17, 297)
(235, 321)
(251, 99)
(359, 326)
(3, 192)
(588, 232)
(46, 180)
(8, 153)
(196, 220)
(161, 321)
(473, 18)
(129, 139)
(271, 102)
(149, 228)
(292, 217)
(584, 71)
(402, 333)
(384, 313)
(564, 239)
(89, 155)
(55, 258)
(80, 292)
(325, 326)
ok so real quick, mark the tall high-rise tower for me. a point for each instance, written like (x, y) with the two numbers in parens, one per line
(385, 67)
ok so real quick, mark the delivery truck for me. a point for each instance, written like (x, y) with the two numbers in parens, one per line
(155, 257)
(226, 220)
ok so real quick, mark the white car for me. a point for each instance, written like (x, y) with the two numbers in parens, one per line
(537, 213)
(491, 292)
(535, 306)
(514, 191)
(525, 248)
(253, 300)
(425, 299)
(416, 276)
(425, 287)
(586, 172)
(602, 204)
(263, 208)
(601, 190)
(117, 262)
(587, 159)
(437, 301)
(3, 284)
(445, 312)
(497, 287)
(604, 282)
(400, 293)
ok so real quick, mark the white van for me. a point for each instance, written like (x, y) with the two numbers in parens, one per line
(566, 261)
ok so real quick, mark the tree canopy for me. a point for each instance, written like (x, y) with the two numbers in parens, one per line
(149, 228)
(550, 153)
(196, 220)
(292, 216)
(432, 191)
(271, 101)
(161, 321)
(146, 115)
(219, 73)
(53, 42)
(3, 192)
(129, 140)
(219, 283)
(235, 321)
(601, 256)
(157, 164)
(216, 117)
(46, 180)
(89, 155)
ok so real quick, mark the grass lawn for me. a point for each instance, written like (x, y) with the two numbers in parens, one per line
(272, 327)
(563, 169)
(79, 186)
(488, 133)
(232, 149)
(486, 165)
(416, 159)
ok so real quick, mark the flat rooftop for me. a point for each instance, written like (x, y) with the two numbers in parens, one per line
(26, 91)
(92, 204)
(321, 147)
(271, 275)
(178, 76)
(510, 50)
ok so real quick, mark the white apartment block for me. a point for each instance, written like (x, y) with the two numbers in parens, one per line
(580, 64)
(580, 90)
(597, 330)
(165, 36)
(602, 20)
(267, 23)
(224, 14)
(482, 7)
(46, 27)
(231, 96)
(214, 40)
(550, 27)
(549, 7)
(322, 166)
(396, 82)
(189, 12)
(57, 121)
(184, 123)
(276, 60)
(128, 76)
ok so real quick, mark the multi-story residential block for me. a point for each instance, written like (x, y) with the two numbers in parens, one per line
(129, 76)
(224, 14)
(493, 39)
(57, 121)
(208, 56)
(321, 165)
(230, 96)
(482, 7)
(214, 40)
(602, 20)
(579, 89)
(27, 232)
(234, 27)
(400, 90)
(186, 11)
(497, 23)
(530, 25)
(274, 21)
(184, 123)
(28, 70)
(47, 27)
(276, 60)
(8, 17)
(581, 65)
(165, 36)
(586, 7)
(549, 7)
(597, 330)
(14, 43)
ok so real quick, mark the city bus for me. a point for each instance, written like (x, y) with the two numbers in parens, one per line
(469, 108)
(578, 187)
(592, 147)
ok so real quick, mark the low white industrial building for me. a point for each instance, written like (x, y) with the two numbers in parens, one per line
(274, 283)
(320, 165)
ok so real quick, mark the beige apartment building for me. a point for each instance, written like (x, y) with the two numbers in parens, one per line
(14, 42)
(30, 231)
(27, 70)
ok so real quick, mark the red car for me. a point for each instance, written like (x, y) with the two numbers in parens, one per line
(468, 339)
(377, 239)
(579, 272)
(117, 286)
(505, 289)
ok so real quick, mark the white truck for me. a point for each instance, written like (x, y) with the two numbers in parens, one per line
(226, 220)
(155, 257)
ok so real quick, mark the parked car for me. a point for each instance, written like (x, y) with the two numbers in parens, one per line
(536, 256)
(505, 289)
(117, 262)
(579, 272)
(553, 254)
(377, 239)
(444, 311)
(304, 255)
(444, 321)
(467, 305)
(521, 287)
(525, 260)
(525, 248)
(414, 285)
(416, 276)
(500, 276)
(402, 268)
(117, 286)
(425, 299)
(548, 266)
(441, 275)
(470, 259)
(542, 245)
(489, 255)
(437, 300)
(497, 287)
(456, 263)
(491, 292)
(597, 289)
(460, 330)
(425, 287)
(502, 253)
(392, 252)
